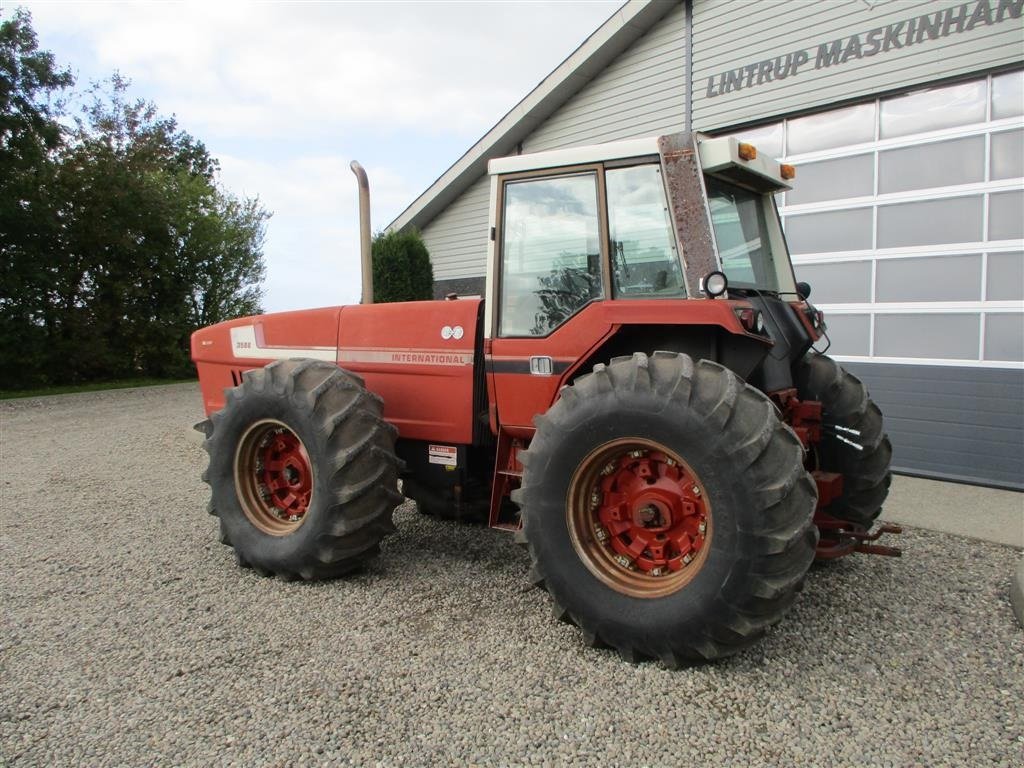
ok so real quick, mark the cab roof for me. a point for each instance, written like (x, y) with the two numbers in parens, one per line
(592, 153)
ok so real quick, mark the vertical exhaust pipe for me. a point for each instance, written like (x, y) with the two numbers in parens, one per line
(364, 231)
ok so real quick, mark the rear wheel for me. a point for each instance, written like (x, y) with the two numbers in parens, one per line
(845, 403)
(666, 509)
(303, 474)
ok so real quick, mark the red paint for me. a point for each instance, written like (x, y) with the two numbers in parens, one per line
(521, 396)
(286, 474)
(401, 350)
(830, 487)
(839, 538)
(215, 357)
(425, 400)
(652, 511)
(804, 416)
(804, 311)
(508, 474)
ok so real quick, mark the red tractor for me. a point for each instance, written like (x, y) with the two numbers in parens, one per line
(639, 396)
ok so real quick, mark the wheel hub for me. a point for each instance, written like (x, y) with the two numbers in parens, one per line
(645, 526)
(285, 473)
(273, 477)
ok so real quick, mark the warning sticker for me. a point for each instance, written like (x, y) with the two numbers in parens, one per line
(443, 454)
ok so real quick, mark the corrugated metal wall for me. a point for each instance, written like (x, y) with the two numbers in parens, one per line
(958, 423)
(641, 93)
(733, 34)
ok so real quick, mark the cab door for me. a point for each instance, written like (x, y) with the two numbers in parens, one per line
(567, 240)
(550, 260)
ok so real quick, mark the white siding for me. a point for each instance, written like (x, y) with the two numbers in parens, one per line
(457, 238)
(728, 34)
(641, 93)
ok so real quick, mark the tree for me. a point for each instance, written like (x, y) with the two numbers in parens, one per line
(31, 90)
(116, 239)
(401, 267)
(155, 248)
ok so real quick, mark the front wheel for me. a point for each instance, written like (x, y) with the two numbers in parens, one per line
(666, 509)
(845, 404)
(302, 473)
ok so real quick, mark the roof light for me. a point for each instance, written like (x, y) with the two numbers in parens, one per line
(747, 151)
(787, 171)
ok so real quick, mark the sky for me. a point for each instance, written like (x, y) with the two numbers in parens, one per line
(286, 94)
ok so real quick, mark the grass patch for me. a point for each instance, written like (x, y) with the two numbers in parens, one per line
(95, 386)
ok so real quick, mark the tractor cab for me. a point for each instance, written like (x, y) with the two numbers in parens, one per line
(598, 251)
(631, 220)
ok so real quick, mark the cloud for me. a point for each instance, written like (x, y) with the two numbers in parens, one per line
(314, 200)
(284, 94)
(443, 66)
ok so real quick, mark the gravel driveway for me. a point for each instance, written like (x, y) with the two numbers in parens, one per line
(129, 637)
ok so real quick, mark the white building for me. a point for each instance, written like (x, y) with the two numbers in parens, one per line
(906, 121)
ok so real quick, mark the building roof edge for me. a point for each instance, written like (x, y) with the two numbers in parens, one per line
(624, 27)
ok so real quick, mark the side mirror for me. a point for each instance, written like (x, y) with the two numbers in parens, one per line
(803, 290)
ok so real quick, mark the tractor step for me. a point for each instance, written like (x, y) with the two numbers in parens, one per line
(840, 538)
(508, 474)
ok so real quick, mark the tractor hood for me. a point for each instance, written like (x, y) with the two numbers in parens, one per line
(257, 340)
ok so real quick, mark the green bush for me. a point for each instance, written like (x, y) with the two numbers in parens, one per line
(401, 268)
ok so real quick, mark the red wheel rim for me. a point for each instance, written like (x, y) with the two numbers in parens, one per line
(639, 518)
(273, 477)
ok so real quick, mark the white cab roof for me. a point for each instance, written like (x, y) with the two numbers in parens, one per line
(556, 158)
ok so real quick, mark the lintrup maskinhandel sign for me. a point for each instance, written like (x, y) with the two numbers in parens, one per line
(916, 30)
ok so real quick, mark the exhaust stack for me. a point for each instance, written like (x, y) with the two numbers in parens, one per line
(364, 231)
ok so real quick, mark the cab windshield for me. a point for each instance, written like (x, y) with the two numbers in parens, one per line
(741, 230)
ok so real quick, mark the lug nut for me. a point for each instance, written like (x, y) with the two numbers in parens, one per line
(595, 500)
(703, 526)
(687, 558)
(696, 490)
(600, 533)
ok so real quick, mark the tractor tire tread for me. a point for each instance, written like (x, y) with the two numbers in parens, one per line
(845, 401)
(779, 544)
(354, 443)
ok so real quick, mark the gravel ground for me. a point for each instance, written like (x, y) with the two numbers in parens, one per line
(129, 637)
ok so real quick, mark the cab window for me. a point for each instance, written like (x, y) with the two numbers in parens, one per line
(644, 260)
(741, 232)
(551, 263)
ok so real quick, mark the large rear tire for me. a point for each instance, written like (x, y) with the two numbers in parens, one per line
(302, 472)
(845, 403)
(666, 509)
